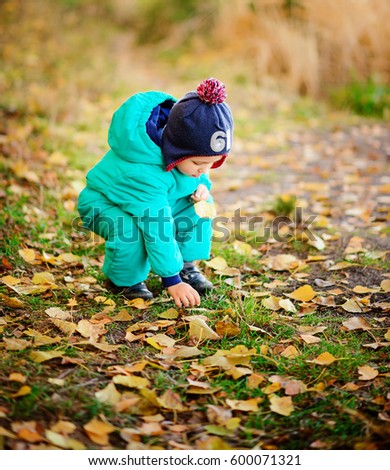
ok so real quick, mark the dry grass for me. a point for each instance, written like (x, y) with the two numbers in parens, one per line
(327, 43)
(320, 43)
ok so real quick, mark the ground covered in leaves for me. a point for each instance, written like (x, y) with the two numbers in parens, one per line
(291, 349)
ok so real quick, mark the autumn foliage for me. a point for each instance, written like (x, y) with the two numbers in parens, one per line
(290, 351)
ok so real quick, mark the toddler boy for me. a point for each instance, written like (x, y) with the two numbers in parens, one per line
(140, 196)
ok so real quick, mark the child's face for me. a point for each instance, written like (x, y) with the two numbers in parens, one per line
(196, 166)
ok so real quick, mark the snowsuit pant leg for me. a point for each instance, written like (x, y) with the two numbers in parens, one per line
(126, 262)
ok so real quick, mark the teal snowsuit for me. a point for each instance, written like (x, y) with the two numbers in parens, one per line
(143, 212)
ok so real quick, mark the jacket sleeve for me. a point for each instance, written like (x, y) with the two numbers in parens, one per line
(145, 197)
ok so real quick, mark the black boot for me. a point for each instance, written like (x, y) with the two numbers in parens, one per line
(137, 291)
(192, 276)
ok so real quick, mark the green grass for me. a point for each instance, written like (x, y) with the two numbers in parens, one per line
(368, 98)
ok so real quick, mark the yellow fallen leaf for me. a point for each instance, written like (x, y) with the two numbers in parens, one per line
(385, 285)
(199, 328)
(287, 305)
(122, 316)
(205, 210)
(31, 290)
(356, 323)
(377, 344)
(387, 335)
(218, 263)
(324, 359)
(309, 339)
(41, 340)
(310, 329)
(56, 312)
(63, 427)
(59, 382)
(304, 293)
(141, 304)
(367, 372)
(170, 314)
(238, 372)
(171, 401)
(182, 352)
(44, 277)
(242, 248)
(16, 344)
(212, 443)
(272, 302)
(254, 380)
(4, 432)
(27, 430)
(64, 442)
(353, 306)
(98, 431)
(12, 302)
(42, 356)
(229, 272)
(294, 387)
(226, 328)
(355, 245)
(272, 388)
(90, 330)
(68, 258)
(101, 299)
(108, 394)
(227, 359)
(72, 303)
(17, 377)
(28, 255)
(10, 280)
(290, 352)
(318, 243)
(24, 390)
(160, 341)
(66, 327)
(281, 405)
(131, 381)
(282, 262)
(252, 404)
(103, 346)
(342, 265)
(350, 387)
(364, 290)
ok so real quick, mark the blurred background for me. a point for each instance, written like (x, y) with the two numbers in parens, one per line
(58, 56)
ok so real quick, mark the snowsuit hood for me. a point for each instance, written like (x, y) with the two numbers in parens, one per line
(127, 135)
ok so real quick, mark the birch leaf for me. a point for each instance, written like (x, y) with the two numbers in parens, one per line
(324, 359)
(42, 356)
(287, 305)
(367, 372)
(356, 323)
(281, 405)
(199, 329)
(304, 293)
(131, 381)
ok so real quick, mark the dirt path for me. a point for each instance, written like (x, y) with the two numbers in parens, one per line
(342, 175)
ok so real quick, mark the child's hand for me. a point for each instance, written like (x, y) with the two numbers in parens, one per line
(184, 295)
(201, 193)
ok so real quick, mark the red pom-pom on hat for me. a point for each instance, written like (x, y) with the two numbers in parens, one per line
(211, 91)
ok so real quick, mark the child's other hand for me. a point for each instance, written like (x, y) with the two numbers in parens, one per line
(184, 295)
(201, 193)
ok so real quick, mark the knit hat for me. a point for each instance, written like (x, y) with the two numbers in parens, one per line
(199, 125)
